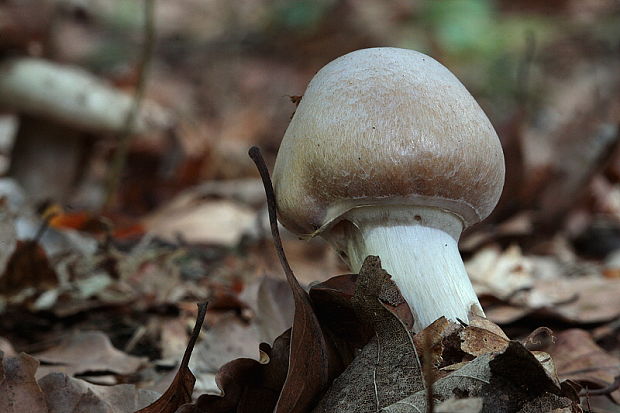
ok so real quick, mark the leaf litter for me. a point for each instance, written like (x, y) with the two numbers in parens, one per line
(351, 347)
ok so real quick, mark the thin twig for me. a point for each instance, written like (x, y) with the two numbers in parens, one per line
(126, 134)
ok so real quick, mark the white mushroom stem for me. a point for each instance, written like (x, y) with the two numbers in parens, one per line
(418, 248)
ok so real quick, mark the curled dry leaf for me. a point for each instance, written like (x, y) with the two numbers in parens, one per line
(180, 390)
(578, 358)
(451, 343)
(19, 391)
(540, 339)
(248, 386)
(308, 370)
(87, 351)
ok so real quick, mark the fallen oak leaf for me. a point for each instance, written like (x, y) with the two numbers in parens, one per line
(180, 390)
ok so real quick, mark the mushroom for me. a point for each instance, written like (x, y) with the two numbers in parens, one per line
(58, 107)
(388, 154)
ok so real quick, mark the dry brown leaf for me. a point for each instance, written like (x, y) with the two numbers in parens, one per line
(180, 390)
(596, 298)
(477, 341)
(510, 381)
(388, 367)
(229, 339)
(308, 367)
(86, 351)
(272, 303)
(65, 394)
(332, 302)
(248, 386)
(540, 339)
(484, 323)
(19, 391)
(214, 221)
(578, 358)
(433, 337)
(584, 300)
(500, 273)
(28, 273)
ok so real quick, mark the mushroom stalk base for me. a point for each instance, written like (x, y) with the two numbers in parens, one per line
(425, 264)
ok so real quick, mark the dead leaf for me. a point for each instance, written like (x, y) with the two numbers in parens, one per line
(468, 405)
(308, 369)
(477, 341)
(86, 351)
(214, 221)
(272, 303)
(578, 358)
(27, 274)
(510, 381)
(248, 386)
(434, 339)
(500, 273)
(388, 367)
(19, 390)
(596, 299)
(229, 339)
(336, 313)
(180, 390)
(583, 300)
(65, 394)
(540, 339)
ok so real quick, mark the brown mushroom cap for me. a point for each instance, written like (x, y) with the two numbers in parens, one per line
(386, 126)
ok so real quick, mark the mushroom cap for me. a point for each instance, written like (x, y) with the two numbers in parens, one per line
(386, 126)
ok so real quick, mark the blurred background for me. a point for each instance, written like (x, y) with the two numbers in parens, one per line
(125, 125)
